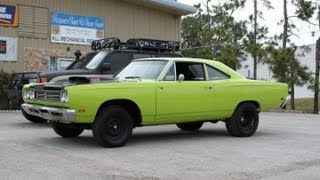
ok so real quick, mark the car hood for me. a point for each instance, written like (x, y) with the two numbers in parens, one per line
(74, 80)
(52, 74)
(60, 82)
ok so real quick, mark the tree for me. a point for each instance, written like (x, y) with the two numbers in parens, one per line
(284, 64)
(254, 40)
(304, 11)
(215, 34)
(286, 68)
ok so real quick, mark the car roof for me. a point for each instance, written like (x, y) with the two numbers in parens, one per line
(176, 53)
(185, 59)
(214, 63)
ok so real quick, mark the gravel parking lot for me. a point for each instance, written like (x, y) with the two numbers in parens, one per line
(286, 146)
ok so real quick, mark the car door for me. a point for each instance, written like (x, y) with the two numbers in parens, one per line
(220, 95)
(182, 100)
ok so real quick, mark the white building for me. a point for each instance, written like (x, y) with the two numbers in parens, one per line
(264, 73)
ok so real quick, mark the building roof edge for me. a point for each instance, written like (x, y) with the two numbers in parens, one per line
(183, 8)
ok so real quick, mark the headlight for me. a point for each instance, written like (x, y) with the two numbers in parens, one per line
(28, 94)
(32, 94)
(25, 94)
(64, 96)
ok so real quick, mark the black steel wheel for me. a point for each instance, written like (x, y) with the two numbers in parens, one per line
(31, 118)
(112, 127)
(244, 121)
(65, 130)
(191, 126)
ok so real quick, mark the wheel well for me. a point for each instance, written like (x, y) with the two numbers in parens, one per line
(255, 103)
(129, 105)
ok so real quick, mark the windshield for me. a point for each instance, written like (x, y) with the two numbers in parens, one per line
(142, 70)
(90, 61)
(94, 63)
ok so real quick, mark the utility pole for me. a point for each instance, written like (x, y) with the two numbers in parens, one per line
(209, 23)
(285, 25)
(316, 84)
(255, 39)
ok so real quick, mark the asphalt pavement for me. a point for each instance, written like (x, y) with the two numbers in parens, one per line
(286, 146)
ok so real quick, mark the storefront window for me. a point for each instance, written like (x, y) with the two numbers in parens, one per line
(59, 63)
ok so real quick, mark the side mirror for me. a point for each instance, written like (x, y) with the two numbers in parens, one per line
(180, 77)
(106, 67)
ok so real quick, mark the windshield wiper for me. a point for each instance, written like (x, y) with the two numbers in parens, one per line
(132, 77)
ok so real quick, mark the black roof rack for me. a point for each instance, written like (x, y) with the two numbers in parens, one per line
(137, 44)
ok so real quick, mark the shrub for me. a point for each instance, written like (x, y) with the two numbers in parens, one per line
(4, 81)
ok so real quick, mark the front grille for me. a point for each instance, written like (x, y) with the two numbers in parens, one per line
(48, 95)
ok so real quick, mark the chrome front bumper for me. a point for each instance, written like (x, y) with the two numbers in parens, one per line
(50, 113)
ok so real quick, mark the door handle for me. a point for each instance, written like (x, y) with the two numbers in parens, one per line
(208, 87)
(160, 87)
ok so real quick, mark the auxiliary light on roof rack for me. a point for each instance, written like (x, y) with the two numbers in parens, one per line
(137, 44)
(105, 43)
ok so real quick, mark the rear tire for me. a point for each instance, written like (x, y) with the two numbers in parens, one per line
(112, 127)
(31, 118)
(244, 121)
(191, 126)
(65, 130)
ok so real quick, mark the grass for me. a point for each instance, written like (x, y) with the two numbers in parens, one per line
(305, 105)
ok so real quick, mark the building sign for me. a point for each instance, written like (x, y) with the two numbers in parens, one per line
(8, 15)
(8, 48)
(75, 29)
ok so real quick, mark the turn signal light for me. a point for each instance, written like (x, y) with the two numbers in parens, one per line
(41, 80)
(81, 110)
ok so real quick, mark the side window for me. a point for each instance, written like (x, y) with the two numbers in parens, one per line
(191, 71)
(214, 74)
(118, 60)
(170, 75)
(198, 71)
(140, 55)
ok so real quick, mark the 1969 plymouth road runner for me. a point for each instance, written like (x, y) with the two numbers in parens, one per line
(154, 91)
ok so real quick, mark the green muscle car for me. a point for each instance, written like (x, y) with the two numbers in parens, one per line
(154, 91)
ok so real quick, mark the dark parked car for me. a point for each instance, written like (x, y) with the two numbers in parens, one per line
(110, 55)
(15, 87)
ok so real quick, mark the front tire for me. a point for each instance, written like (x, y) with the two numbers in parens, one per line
(31, 118)
(112, 127)
(191, 126)
(244, 121)
(65, 130)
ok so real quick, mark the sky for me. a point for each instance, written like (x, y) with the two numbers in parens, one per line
(274, 16)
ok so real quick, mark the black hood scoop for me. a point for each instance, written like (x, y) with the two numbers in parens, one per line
(50, 87)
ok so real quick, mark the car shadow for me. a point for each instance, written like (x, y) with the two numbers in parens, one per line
(176, 135)
(77, 142)
(146, 137)
(140, 138)
(155, 136)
